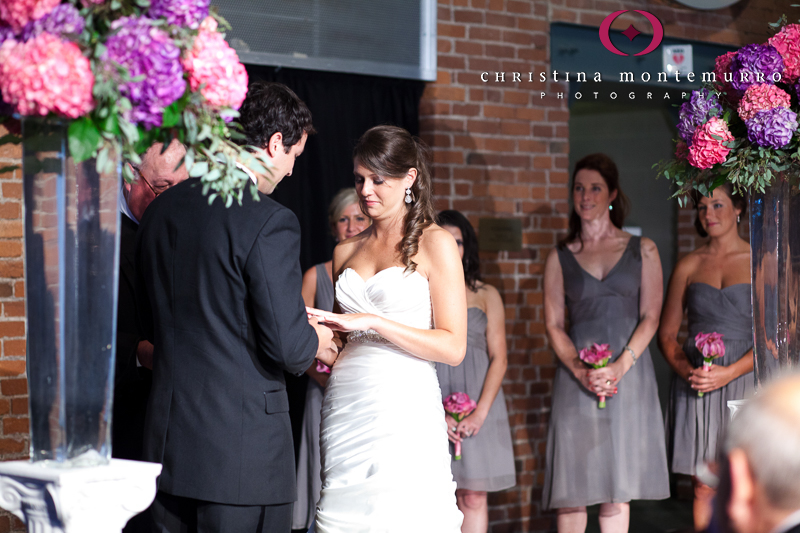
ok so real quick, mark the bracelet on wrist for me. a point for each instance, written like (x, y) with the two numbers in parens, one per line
(633, 354)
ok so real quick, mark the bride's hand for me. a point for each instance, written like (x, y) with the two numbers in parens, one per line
(452, 426)
(343, 322)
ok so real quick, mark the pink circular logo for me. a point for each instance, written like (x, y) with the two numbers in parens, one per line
(605, 27)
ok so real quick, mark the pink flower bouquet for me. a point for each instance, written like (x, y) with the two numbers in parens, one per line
(711, 346)
(597, 356)
(459, 405)
(322, 368)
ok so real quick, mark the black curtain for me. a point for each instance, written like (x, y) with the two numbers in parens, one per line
(343, 107)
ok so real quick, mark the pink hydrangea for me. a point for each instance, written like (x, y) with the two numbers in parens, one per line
(787, 42)
(760, 97)
(46, 75)
(17, 13)
(706, 151)
(214, 66)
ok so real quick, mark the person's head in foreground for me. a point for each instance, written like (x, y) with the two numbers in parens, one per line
(760, 485)
(275, 120)
(158, 172)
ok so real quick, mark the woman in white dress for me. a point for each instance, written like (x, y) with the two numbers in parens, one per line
(400, 284)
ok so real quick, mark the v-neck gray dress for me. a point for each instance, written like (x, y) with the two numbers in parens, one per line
(694, 424)
(616, 454)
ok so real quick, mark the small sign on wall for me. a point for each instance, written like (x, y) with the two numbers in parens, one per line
(678, 57)
(499, 234)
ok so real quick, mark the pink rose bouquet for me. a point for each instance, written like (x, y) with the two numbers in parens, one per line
(322, 368)
(711, 346)
(597, 356)
(459, 405)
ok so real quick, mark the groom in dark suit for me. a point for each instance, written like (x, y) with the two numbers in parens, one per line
(224, 311)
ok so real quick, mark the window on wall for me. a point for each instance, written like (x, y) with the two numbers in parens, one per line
(394, 38)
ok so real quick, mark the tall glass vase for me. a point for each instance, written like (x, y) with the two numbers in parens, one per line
(775, 259)
(71, 269)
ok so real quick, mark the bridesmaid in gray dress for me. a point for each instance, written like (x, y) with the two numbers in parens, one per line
(610, 283)
(712, 284)
(487, 463)
(346, 220)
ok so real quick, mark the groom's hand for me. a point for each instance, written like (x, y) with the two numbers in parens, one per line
(327, 351)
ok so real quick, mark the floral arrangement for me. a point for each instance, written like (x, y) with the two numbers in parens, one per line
(127, 73)
(322, 368)
(459, 405)
(597, 356)
(711, 346)
(743, 127)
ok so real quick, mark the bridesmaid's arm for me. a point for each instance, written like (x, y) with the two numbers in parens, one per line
(671, 318)
(651, 295)
(447, 342)
(309, 293)
(554, 318)
(498, 361)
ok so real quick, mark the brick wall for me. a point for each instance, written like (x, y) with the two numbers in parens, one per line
(502, 151)
(13, 385)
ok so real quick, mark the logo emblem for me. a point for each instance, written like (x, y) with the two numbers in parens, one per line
(631, 32)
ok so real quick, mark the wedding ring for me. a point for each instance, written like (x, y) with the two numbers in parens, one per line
(608, 382)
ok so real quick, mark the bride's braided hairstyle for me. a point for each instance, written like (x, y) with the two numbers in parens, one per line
(390, 152)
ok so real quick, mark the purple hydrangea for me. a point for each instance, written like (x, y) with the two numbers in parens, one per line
(189, 13)
(703, 105)
(755, 61)
(6, 33)
(153, 63)
(772, 128)
(64, 19)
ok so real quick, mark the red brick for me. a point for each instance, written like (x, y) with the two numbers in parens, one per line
(19, 406)
(13, 425)
(10, 210)
(450, 30)
(10, 248)
(12, 446)
(12, 190)
(14, 387)
(14, 309)
(10, 228)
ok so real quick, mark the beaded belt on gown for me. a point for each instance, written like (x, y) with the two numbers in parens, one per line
(369, 335)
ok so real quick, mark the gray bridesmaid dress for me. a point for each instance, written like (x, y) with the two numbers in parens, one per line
(616, 454)
(487, 459)
(309, 482)
(695, 424)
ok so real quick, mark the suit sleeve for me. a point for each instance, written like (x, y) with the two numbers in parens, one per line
(273, 277)
(143, 307)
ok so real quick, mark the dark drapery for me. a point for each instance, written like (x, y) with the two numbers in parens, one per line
(343, 107)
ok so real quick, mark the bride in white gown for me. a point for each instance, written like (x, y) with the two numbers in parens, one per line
(385, 452)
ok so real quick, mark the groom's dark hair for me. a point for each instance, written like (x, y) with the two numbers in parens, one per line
(271, 108)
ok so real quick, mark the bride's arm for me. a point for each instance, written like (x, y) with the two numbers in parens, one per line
(447, 343)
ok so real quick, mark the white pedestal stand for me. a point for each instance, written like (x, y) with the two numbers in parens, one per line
(94, 499)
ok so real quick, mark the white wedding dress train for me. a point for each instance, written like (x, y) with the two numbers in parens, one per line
(385, 453)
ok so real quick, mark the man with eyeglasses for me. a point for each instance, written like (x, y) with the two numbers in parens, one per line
(154, 175)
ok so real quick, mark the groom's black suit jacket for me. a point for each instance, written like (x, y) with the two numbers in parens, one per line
(224, 312)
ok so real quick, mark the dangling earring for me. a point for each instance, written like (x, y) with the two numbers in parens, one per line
(610, 207)
(408, 195)
(738, 219)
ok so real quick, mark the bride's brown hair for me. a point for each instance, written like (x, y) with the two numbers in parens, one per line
(391, 152)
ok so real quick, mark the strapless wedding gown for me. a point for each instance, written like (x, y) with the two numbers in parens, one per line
(385, 453)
